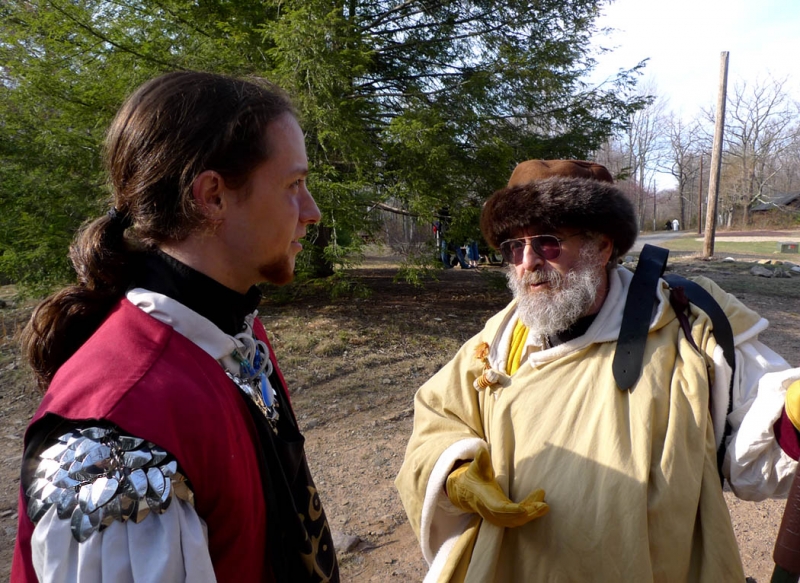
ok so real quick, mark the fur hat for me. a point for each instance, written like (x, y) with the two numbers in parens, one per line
(552, 194)
(531, 170)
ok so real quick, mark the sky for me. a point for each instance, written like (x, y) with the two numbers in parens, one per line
(684, 39)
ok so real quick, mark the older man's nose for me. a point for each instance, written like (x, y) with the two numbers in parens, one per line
(530, 259)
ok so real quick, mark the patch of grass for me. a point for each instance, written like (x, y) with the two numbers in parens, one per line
(759, 248)
(330, 347)
(302, 343)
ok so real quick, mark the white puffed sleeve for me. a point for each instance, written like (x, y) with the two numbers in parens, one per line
(165, 548)
(755, 464)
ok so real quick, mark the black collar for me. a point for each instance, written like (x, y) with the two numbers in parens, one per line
(579, 328)
(225, 307)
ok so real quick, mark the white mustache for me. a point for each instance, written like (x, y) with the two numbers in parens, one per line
(537, 277)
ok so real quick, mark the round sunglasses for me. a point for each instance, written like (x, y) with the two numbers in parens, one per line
(548, 247)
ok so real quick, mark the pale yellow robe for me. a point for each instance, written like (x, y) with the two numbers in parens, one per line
(630, 477)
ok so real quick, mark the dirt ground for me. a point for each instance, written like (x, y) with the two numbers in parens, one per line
(353, 366)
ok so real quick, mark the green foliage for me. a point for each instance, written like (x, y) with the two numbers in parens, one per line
(424, 104)
(339, 285)
(420, 265)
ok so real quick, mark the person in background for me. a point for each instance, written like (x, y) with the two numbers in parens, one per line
(458, 251)
(528, 463)
(441, 244)
(473, 255)
(445, 243)
(165, 447)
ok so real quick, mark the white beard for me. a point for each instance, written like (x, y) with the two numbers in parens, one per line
(558, 306)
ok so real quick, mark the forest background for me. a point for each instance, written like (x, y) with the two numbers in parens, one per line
(412, 107)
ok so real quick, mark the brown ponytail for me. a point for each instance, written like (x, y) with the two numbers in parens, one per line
(65, 320)
(168, 131)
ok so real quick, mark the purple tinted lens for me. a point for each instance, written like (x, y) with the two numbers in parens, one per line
(546, 246)
(512, 251)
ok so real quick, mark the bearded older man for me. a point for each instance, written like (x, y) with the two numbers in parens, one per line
(530, 405)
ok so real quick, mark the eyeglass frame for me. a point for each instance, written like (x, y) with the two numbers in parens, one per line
(509, 256)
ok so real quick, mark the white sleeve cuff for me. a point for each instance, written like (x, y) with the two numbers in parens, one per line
(441, 522)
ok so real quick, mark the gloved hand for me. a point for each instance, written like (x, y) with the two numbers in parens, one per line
(473, 488)
(793, 404)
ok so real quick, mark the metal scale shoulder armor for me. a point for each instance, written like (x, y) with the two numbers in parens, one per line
(96, 475)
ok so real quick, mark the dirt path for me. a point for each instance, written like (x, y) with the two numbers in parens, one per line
(353, 366)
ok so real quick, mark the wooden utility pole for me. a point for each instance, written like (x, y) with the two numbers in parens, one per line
(653, 186)
(700, 200)
(716, 158)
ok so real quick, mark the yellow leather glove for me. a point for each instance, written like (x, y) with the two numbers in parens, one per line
(473, 488)
(793, 404)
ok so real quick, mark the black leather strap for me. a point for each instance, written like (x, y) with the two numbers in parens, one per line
(627, 365)
(723, 334)
(700, 297)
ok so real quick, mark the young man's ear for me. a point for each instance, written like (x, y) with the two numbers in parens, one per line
(208, 191)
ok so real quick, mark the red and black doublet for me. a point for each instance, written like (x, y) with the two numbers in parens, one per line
(250, 479)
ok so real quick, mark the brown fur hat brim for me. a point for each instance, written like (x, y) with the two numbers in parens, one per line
(557, 203)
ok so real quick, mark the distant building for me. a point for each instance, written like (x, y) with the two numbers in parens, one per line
(786, 202)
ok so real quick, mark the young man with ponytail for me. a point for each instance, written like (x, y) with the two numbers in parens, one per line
(533, 459)
(165, 447)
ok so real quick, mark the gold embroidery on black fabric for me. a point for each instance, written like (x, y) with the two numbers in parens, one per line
(314, 504)
(321, 560)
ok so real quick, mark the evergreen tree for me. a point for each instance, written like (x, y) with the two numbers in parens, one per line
(427, 104)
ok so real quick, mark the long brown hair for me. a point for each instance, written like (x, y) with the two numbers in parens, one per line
(168, 131)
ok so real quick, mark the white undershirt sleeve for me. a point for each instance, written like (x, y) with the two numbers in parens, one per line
(755, 465)
(166, 548)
